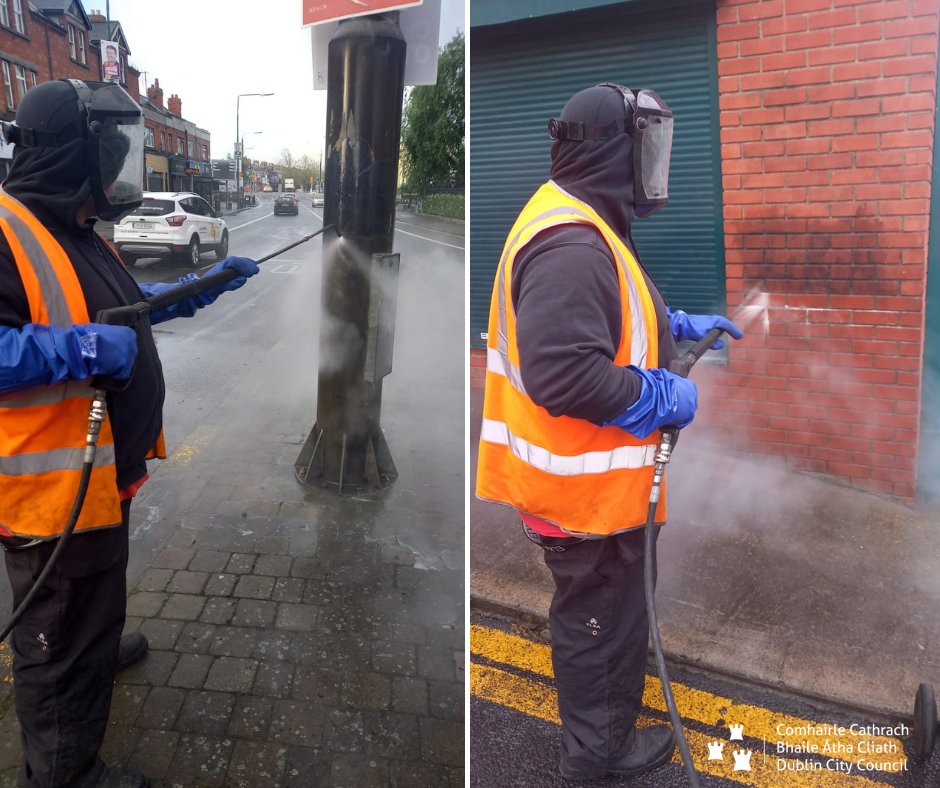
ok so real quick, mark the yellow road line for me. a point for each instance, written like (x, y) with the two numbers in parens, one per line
(6, 664)
(537, 699)
(189, 449)
(800, 737)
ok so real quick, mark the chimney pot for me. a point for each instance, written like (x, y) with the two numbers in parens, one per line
(155, 94)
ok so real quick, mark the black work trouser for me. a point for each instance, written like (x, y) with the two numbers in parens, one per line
(65, 650)
(600, 634)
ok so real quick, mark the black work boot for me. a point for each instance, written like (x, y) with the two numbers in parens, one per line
(133, 649)
(122, 777)
(101, 776)
(645, 749)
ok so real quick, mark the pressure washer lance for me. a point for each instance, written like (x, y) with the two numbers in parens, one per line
(123, 315)
(680, 366)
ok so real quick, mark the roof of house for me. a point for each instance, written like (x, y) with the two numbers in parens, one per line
(99, 32)
(55, 8)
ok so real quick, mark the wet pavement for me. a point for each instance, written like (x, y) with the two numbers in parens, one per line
(297, 639)
(782, 579)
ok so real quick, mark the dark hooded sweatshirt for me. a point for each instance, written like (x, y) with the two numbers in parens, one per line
(52, 183)
(564, 282)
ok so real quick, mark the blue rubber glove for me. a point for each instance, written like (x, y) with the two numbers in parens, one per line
(188, 308)
(37, 355)
(694, 327)
(244, 265)
(665, 400)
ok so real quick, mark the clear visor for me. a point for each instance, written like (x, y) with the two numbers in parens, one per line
(121, 161)
(656, 141)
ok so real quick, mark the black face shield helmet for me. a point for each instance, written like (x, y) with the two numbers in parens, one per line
(111, 123)
(648, 119)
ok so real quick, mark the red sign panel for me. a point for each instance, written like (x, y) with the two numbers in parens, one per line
(318, 11)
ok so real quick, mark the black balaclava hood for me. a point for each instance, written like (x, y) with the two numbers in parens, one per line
(56, 181)
(598, 172)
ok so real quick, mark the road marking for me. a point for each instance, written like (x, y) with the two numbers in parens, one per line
(764, 729)
(187, 451)
(535, 699)
(233, 229)
(425, 238)
(6, 663)
(415, 235)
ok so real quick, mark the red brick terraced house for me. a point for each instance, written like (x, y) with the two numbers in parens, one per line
(52, 39)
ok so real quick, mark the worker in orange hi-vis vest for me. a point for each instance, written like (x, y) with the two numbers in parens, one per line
(577, 391)
(78, 156)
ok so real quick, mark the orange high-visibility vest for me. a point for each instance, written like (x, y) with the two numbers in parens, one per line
(43, 429)
(587, 480)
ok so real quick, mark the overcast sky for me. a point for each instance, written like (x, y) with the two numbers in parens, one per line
(209, 51)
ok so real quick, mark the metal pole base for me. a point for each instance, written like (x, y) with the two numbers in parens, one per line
(380, 471)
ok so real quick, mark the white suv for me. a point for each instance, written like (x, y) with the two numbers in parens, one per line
(171, 223)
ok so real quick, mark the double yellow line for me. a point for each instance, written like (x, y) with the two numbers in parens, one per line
(764, 730)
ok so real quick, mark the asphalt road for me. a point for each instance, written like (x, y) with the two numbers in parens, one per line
(785, 741)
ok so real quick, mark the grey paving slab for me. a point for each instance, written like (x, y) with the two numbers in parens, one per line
(205, 712)
(190, 671)
(251, 717)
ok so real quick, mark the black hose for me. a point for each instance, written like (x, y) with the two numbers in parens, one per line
(649, 561)
(680, 366)
(63, 539)
(96, 416)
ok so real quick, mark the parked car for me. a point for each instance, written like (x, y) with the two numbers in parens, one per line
(267, 189)
(171, 223)
(286, 203)
(318, 199)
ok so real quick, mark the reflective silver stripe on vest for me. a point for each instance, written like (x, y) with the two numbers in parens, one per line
(52, 294)
(54, 460)
(48, 395)
(498, 363)
(621, 458)
(639, 345)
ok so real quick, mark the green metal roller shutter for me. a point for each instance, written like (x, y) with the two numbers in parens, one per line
(522, 73)
(928, 481)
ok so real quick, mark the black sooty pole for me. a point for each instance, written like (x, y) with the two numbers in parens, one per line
(346, 451)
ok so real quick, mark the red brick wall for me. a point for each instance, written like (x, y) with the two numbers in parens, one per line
(47, 49)
(827, 110)
(477, 368)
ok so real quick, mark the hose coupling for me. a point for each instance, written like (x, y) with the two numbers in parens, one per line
(96, 414)
(664, 452)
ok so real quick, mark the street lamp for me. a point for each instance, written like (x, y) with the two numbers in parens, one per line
(238, 162)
